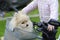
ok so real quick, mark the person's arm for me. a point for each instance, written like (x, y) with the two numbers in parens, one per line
(53, 13)
(30, 7)
(54, 10)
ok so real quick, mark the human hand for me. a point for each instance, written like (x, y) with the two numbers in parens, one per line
(50, 27)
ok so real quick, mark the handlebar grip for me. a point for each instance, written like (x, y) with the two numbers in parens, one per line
(54, 22)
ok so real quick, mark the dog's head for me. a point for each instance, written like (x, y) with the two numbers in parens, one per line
(23, 22)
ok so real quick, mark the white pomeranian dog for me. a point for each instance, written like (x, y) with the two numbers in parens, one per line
(23, 23)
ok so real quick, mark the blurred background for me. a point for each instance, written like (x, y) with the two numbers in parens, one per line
(19, 4)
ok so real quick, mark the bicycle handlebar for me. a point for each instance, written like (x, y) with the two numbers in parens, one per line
(43, 25)
(54, 22)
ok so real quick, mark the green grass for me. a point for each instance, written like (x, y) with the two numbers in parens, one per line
(58, 30)
(35, 11)
(35, 19)
(2, 27)
(8, 14)
(3, 23)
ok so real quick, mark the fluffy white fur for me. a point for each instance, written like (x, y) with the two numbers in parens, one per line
(21, 21)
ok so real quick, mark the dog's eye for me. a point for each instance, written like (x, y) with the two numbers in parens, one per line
(23, 22)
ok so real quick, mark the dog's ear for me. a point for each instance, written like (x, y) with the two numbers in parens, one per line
(15, 14)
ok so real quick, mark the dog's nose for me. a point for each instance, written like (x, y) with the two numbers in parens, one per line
(27, 25)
